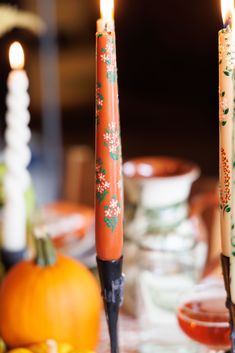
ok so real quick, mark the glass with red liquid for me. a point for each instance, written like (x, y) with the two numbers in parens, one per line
(204, 318)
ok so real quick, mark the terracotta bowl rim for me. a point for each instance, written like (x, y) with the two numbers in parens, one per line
(191, 169)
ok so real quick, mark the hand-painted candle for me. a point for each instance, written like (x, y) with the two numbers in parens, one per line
(17, 153)
(226, 106)
(109, 198)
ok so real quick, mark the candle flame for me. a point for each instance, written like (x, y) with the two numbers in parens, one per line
(227, 9)
(107, 10)
(16, 56)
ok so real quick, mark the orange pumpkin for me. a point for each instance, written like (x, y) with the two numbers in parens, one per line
(50, 298)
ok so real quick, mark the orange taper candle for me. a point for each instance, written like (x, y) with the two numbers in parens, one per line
(109, 193)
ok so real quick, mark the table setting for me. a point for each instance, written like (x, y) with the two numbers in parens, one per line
(109, 251)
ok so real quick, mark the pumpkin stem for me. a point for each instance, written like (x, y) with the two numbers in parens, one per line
(45, 252)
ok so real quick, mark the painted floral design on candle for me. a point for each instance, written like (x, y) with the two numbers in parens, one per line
(225, 195)
(223, 108)
(102, 185)
(108, 56)
(233, 241)
(99, 101)
(111, 212)
(112, 140)
(226, 55)
(108, 209)
(226, 118)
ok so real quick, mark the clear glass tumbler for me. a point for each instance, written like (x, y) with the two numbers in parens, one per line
(163, 274)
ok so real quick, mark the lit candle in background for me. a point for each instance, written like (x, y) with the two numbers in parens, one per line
(226, 112)
(109, 198)
(17, 154)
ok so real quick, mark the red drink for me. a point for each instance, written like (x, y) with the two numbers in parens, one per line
(206, 321)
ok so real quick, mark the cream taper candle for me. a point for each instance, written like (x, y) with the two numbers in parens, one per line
(17, 153)
(226, 106)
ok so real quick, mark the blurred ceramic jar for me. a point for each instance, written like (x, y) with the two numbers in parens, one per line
(163, 275)
(157, 218)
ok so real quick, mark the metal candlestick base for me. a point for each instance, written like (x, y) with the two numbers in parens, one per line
(225, 261)
(112, 283)
(11, 258)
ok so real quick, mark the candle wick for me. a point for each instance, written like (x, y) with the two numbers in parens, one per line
(108, 27)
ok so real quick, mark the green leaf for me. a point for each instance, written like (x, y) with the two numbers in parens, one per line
(103, 50)
(114, 156)
(112, 77)
(105, 144)
(226, 111)
(224, 123)
(100, 35)
(99, 85)
(227, 209)
(100, 196)
(227, 73)
(108, 222)
(111, 222)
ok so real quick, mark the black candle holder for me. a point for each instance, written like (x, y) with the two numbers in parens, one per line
(225, 261)
(112, 285)
(11, 258)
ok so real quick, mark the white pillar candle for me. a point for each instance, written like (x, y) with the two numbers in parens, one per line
(17, 153)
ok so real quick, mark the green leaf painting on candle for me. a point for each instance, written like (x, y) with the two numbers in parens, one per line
(233, 241)
(112, 141)
(111, 212)
(225, 53)
(99, 101)
(102, 185)
(223, 108)
(108, 56)
(225, 191)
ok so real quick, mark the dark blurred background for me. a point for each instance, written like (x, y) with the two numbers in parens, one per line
(167, 61)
